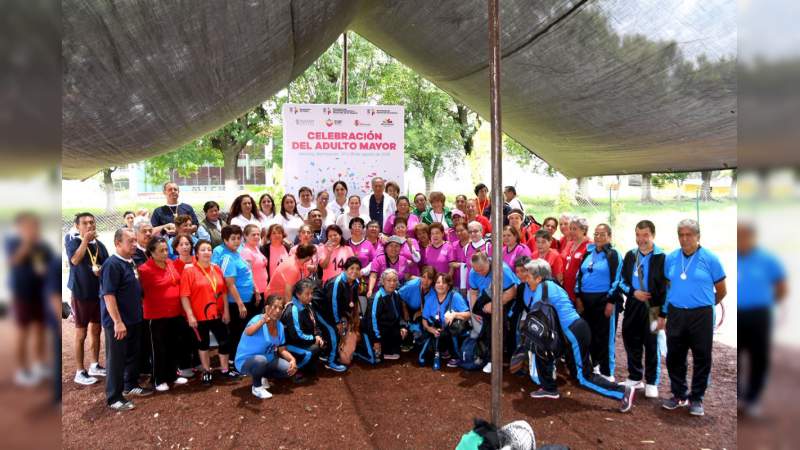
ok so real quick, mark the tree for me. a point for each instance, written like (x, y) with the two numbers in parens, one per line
(705, 188)
(647, 192)
(661, 179)
(108, 187)
(525, 158)
(186, 160)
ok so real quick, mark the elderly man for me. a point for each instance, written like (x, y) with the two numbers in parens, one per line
(480, 299)
(121, 316)
(143, 231)
(378, 206)
(164, 216)
(578, 335)
(317, 227)
(696, 285)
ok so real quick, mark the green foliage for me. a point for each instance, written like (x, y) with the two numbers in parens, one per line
(186, 159)
(660, 180)
(525, 158)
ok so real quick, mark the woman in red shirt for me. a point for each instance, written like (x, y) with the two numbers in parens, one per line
(202, 293)
(182, 246)
(161, 301)
(573, 255)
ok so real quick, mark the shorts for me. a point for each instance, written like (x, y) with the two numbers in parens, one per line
(85, 312)
(28, 311)
(220, 331)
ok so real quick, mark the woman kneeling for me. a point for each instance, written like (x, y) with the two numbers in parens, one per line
(444, 318)
(303, 338)
(383, 327)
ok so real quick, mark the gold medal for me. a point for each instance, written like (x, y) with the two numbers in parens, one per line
(95, 269)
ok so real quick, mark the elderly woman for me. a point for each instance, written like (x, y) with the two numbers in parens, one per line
(383, 328)
(551, 225)
(404, 212)
(161, 302)
(333, 253)
(458, 217)
(262, 350)
(458, 262)
(696, 285)
(337, 312)
(542, 240)
(597, 295)
(210, 227)
(182, 246)
(390, 259)
(420, 204)
(512, 247)
(566, 235)
(423, 236)
(573, 254)
(353, 211)
(274, 247)
(444, 308)
(393, 190)
(413, 295)
(438, 253)
(437, 213)
(537, 286)
(183, 225)
(361, 247)
(303, 339)
(410, 248)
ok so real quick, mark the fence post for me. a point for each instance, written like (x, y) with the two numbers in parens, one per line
(610, 207)
(697, 206)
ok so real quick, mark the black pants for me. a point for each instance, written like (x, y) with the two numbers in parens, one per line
(755, 336)
(604, 330)
(237, 325)
(306, 356)
(639, 341)
(220, 331)
(509, 335)
(446, 342)
(145, 364)
(689, 329)
(170, 347)
(390, 338)
(122, 357)
(578, 336)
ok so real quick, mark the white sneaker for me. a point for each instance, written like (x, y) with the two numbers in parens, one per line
(81, 377)
(596, 369)
(634, 384)
(261, 392)
(264, 382)
(391, 356)
(163, 387)
(487, 368)
(26, 378)
(610, 378)
(651, 391)
(180, 380)
(96, 370)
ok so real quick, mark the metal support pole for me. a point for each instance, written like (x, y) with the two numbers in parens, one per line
(697, 205)
(344, 68)
(497, 210)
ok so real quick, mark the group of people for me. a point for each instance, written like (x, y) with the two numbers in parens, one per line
(319, 280)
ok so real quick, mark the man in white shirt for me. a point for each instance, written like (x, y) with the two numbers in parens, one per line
(305, 205)
(378, 206)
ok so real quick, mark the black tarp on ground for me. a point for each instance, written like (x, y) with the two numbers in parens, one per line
(592, 87)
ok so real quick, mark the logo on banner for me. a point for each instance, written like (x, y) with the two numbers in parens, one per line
(361, 123)
(389, 112)
(331, 122)
(327, 111)
(304, 122)
(371, 111)
(297, 110)
(387, 122)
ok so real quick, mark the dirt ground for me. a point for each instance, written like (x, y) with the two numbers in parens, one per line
(397, 405)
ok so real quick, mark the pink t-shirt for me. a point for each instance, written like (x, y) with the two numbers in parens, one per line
(381, 263)
(412, 221)
(277, 253)
(363, 250)
(457, 255)
(314, 259)
(336, 263)
(258, 266)
(510, 256)
(405, 252)
(438, 258)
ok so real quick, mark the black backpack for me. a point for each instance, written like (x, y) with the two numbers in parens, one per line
(541, 331)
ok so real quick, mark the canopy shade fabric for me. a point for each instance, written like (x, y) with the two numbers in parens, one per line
(592, 87)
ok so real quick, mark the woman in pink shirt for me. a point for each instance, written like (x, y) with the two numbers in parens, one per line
(457, 259)
(410, 249)
(333, 253)
(274, 247)
(512, 248)
(437, 254)
(362, 248)
(255, 259)
(305, 236)
(404, 211)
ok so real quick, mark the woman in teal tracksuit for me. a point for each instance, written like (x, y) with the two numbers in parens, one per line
(337, 308)
(597, 297)
(443, 306)
(383, 328)
(303, 338)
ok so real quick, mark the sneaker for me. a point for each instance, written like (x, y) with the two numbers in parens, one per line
(162, 387)
(186, 373)
(180, 380)
(391, 356)
(627, 399)
(674, 403)
(122, 405)
(610, 378)
(437, 363)
(96, 370)
(261, 392)
(265, 382)
(634, 384)
(543, 393)
(651, 391)
(207, 378)
(138, 391)
(336, 367)
(487, 368)
(696, 408)
(230, 374)
(452, 362)
(81, 377)
(405, 348)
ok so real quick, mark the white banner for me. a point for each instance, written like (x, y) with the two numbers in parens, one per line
(352, 143)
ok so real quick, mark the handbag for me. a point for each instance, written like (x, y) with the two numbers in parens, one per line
(457, 327)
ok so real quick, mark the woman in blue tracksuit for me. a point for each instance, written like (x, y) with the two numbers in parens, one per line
(303, 338)
(413, 294)
(577, 336)
(383, 327)
(337, 309)
(443, 306)
(597, 296)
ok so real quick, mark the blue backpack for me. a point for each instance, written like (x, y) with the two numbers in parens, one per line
(541, 331)
(473, 354)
